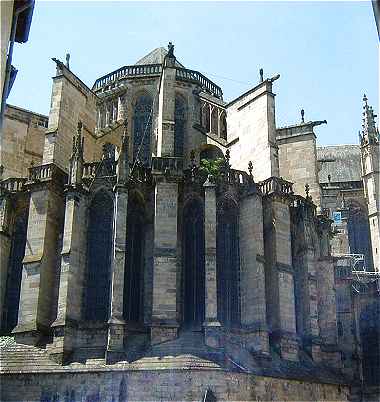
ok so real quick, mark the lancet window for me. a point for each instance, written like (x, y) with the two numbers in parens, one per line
(13, 284)
(193, 265)
(227, 248)
(370, 341)
(213, 120)
(179, 127)
(358, 233)
(99, 251)
(142, 128)
(134, 265)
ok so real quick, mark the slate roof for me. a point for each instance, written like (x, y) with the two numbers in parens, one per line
(342, 162)
(156, 56)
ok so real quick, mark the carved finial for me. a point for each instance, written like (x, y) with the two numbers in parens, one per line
(365, 99)
(170, 50)
(329, 178)
(261, 75)
(192, 158)
(302, 116)
(80, 125)
(228, 155)
(307, 190)
(250, 167)
(68, 60)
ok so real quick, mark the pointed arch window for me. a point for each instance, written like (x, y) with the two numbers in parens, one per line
(359, 233)
(13, 284)
(193, 265)
(227, 263)
(370, 341)
(99, 251)
(179, 127)
(214, 120)
(206, 116)
(142, 128)
(223, 126)
(134, 264)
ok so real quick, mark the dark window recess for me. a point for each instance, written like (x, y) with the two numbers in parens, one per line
(227, 250)
(223, 127)
(193, 255)
(13, 287)
(370, 340)
(359, 234)
(179, 127)
(134, 263)
(99, 249)
(142, 128)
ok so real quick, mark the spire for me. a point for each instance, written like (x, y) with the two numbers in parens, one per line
(76, 160)
(370, 134)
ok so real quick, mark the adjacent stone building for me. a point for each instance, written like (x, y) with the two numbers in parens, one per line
(167, 245)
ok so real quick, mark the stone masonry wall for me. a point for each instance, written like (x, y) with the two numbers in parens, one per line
(22, 141)
(162, 385)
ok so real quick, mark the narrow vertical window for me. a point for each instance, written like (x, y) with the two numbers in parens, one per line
(227, 249)
(179, 127)
(223, 126)
(134, 263)
(193, 265)
(99, 249)
(142, 128)
(13, 286)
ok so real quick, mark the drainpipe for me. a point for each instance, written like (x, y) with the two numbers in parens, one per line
(9, 58)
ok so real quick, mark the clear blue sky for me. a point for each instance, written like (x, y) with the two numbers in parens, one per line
(326, 52)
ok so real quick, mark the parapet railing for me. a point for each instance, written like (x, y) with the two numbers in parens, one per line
(195, 76)
(127, 71)
(276, 185)
(167, 163)
(13, 184)
(103, 168)
(154, 70)
(41, 172)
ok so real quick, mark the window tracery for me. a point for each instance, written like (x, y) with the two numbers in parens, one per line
(193, 265)
(134, 265)
(13, 286)
(142, 128)
(179, 127)
(99, 250)
(227, 249)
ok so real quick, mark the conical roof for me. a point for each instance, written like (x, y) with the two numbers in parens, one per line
(156, 56)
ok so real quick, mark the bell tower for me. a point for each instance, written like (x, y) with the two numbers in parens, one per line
(369, 145)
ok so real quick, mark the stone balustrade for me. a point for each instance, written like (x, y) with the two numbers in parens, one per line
(41, 172)
(276, 185)
(126, 72)
(13, 184)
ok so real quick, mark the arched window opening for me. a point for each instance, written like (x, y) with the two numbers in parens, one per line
(142, 128)
(99, 251)
(134, 263)
(227, 250)
(13, 285)
(193, 257)
(214, 120)
(211, 153)
(206, 117)
(223, 126)
(179, 127)
(359, 234)
(370, 341)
